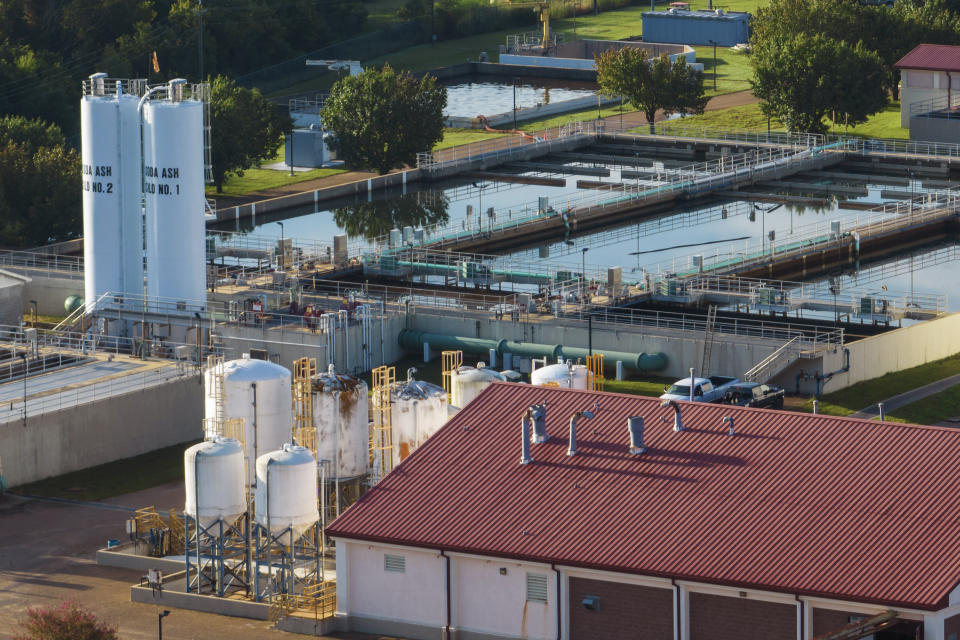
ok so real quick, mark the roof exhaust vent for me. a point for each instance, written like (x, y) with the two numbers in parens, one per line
(539, 412)
(572, 448)
(677, 420)
(730, 420)
(412, 371)
(525, 421)
(635, 425)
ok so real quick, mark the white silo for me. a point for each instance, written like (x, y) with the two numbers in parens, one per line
(341, 415)
(565, 376)
(110, 166)
(173, 193)
(286, 493)
(466, 383)
(417, 410)
(214, 475)
(259, 393)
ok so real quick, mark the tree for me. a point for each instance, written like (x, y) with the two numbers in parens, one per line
(39, 176)
(246, 129)
(68, 621)
(651, 85)
(382, 119)
(804, 78)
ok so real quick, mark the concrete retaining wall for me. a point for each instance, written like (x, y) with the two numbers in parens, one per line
(532, 113)
(731, 355)
(115, 428)
(893, 351)
(174, 595)
(357, 187)
(924, 129)
(291, 344)
(50, 291)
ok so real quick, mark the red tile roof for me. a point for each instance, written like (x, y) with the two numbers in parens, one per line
(931, 57)
(814, 505)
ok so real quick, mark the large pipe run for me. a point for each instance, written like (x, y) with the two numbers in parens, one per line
(414, 340)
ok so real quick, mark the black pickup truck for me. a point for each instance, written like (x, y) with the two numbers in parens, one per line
(754, 394)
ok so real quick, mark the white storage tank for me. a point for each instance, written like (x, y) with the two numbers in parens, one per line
(173, 191)
(466, 383)
(215, 487)
(286, 493)
(266, 410)
(417, 410)
(565, 376)
(110, 165)
(341, 415)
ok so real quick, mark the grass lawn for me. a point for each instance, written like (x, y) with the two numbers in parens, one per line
(652, 386)
(259, 179)
(869, 392)
(456, 137)
(114, 478)
(885, 124)
(932, 409)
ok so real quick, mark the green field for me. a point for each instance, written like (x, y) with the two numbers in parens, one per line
(869, 392)
(885, 124)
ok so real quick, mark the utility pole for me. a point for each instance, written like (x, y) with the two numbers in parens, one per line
(200, 36)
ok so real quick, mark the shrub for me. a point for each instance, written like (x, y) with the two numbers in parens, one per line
(68, 621)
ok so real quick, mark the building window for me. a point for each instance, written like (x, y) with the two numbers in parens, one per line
(395, 564)
(537, 587)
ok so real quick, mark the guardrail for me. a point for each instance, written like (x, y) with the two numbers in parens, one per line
(68, 399)
(813, 337)
(692, 179)
(72, 266)
(943, 103)
(762, 370)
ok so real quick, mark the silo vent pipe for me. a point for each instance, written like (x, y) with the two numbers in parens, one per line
(677, 418)
(635, 426)
(538, 413)
(525, 420)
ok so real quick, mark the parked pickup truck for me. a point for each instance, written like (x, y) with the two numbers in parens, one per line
(712, 389)
(754, 394)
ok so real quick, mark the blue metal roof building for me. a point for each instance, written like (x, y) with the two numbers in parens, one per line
(696, 27)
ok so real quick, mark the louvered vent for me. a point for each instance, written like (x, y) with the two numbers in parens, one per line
(396, 564)
(537, 587)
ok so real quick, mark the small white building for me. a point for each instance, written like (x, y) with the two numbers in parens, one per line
(928, 73)
(11, 297)
(748, 523)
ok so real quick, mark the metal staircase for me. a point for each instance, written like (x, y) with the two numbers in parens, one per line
(775, 362)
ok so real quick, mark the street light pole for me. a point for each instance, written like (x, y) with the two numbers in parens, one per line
(23, 356)
(282, 248)
(160, 616)
(514, 104)
(714, 43)
(583, 275)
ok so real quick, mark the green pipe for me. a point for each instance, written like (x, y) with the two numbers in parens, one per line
(414, 340)
(636, 361)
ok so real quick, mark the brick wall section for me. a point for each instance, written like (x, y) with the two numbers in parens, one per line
(827, 620)
(626, 611)
(951, 625)
(718, 617)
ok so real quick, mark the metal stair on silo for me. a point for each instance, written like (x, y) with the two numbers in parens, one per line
(304, 430)
(708, 340)
(381, 433)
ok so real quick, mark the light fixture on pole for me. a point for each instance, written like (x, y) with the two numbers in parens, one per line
(583, 275)
(160, 616)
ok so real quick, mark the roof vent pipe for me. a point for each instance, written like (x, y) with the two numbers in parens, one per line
(525, 420)
(539, 413)
(635, 425)
(677, 421)
(729, 419)
(572, 448)
(692, 383)
(410, 373)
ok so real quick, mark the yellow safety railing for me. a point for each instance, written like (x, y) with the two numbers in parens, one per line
(595, 369)
(451, 361)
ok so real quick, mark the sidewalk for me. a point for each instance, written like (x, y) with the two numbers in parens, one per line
(909, 397)
(630, 119)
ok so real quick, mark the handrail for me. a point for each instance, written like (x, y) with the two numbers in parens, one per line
(754, 372)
